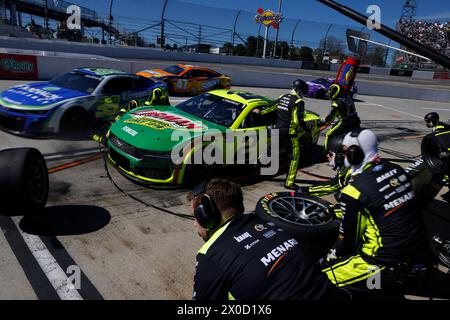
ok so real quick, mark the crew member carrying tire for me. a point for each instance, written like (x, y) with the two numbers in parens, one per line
(291, 126)
(436, 150)
(343, 108)
(335, 157)
(382, 232)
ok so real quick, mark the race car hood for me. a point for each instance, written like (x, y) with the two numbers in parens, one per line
(37, 96)
(160, 128)
(157, 73)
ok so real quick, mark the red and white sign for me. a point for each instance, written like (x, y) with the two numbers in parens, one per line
(442, 75)
(17, 66)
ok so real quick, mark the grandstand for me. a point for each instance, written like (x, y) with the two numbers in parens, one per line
(55, 11)
(433, 34)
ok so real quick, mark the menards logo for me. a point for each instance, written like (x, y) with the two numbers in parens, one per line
(17, 66)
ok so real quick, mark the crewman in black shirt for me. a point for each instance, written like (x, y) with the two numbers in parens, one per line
(290, 109)
(247, 258)
(343, 108)
(382, 230)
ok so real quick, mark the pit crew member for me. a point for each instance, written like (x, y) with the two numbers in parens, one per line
(245, 257)
(382, 231)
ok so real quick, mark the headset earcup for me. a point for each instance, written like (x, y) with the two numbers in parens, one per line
(207, 214)
(355, 155)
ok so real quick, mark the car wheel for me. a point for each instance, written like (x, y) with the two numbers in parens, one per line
(169, 87)
(303, 217)
(23, 181)
(74, 121)
(435, 152)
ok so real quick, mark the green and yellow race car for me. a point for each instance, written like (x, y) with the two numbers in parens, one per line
(169, 146)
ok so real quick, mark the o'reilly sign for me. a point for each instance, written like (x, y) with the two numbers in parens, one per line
(17, 66)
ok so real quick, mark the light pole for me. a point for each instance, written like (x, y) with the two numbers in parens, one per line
(276, 36)
(293, 33)
(161, 40)
(234, 27)
(110, 20)
(266, 36)
(46, 15)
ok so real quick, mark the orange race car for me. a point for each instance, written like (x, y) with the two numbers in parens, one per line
(188, 79)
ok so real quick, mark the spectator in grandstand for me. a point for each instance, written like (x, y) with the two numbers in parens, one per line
(434, 35)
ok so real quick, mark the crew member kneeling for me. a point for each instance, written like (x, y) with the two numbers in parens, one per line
(381, 229)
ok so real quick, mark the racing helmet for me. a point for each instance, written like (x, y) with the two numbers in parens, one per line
(335, 90)
(335, 151)
(300, 86)
(431, 119)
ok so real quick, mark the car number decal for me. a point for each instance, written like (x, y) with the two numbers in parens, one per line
(107, 107)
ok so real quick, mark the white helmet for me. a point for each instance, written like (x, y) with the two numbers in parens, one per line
(362, 148)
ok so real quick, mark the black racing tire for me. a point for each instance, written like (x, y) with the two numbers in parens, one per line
(24, 181)
(75, 121)
(436, 152)
(169, 87)
(315, 233)
(320, 94)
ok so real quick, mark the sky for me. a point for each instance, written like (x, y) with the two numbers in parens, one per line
(315, 17)
(294, 9)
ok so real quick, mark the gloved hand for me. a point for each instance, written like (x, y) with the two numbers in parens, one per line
(328, 259)
(333, 212)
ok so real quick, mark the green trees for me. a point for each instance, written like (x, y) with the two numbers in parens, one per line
(253, 47)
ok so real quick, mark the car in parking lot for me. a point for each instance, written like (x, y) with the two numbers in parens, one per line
(72, 100)
(141, 143)
(189, 79)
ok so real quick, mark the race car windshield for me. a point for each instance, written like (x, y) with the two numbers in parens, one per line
(77, 81)
(213, 108)
(174, 70)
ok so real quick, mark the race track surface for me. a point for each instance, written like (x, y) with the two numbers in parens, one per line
(127, 250)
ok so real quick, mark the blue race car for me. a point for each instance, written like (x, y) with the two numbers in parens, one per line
(78, 98)
(319, 88)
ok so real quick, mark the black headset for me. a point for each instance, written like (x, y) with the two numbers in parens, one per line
(206, 212)
(355, 155)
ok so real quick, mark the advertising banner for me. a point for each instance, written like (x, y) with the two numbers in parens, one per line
(18, 67)
(442, 75)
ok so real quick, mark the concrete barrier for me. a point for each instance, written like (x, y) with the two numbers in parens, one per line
(138, 52)
(380, 71)
(50, 66)
(428, 75)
